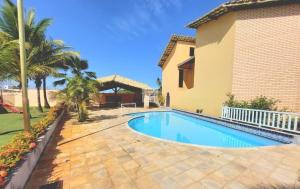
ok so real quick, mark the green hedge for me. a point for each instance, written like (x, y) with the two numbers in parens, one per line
(260, 103)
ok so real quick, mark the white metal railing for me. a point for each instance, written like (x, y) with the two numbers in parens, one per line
(127, 106)
(278, 120)
(154, 99)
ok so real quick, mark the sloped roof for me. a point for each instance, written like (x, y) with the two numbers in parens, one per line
(235, 5)
(117, 80)
(187, 63)
(173, 40)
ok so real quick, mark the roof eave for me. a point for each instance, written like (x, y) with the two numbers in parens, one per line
(227, 7)
(174, 39)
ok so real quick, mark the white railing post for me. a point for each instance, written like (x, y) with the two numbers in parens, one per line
(264, 119)
(280, 120)
(259, 118)
(295, 123)
(273, 119)
(289, 122)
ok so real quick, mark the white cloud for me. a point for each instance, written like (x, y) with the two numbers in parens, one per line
(145, 15)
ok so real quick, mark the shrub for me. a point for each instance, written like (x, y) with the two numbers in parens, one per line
(161, 99)
(11, 153)
(22, 143)
(261, 103)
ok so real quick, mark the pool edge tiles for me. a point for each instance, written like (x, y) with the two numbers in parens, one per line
(259, 131)
(239, 138)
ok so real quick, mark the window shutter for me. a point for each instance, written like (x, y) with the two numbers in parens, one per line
(192, 51)
(180, 78)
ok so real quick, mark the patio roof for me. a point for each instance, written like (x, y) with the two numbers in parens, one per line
(114, 81)
(236, 5)
(168, 50)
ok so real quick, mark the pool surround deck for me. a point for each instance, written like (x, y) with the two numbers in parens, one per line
(105, 153)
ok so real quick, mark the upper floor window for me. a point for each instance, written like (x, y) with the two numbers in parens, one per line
(192, 51)
(180, 78)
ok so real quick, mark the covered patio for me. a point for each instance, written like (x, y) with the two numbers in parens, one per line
(116, 90)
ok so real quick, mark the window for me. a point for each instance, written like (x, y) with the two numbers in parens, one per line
(192, 51)
(180, 78)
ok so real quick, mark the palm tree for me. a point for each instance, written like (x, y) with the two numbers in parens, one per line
(34, 32)
(158, 82)
(59, 56)
(9, 23)
(7, 48)
(80, 87)
(47, 57)
(78, 67)
(78, 91)
(42, 54)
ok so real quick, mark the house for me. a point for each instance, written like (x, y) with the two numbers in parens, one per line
(244, 47)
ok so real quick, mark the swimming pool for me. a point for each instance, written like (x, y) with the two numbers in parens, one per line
(187, 129)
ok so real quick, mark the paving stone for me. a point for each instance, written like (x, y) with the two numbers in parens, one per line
(118, 158)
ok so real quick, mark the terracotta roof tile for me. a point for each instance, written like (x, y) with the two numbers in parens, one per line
(235, 5)
(171, 45)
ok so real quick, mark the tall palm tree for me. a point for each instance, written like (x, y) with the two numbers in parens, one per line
(78, 67)
(47, 57)
(42, 54)
(9, 23)
(55, 55)
(34, 33)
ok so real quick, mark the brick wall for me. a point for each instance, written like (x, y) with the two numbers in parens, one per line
(267, 55)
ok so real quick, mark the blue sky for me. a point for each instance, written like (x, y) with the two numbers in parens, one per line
(125, 37)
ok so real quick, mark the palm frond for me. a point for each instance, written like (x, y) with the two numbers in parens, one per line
(59, 82)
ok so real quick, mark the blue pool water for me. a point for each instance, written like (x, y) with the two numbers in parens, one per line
(186, 129)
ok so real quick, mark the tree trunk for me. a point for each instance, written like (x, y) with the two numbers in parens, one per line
(46, 103)
(38, 87)
(81, 112)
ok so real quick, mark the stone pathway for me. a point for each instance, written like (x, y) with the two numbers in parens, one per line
(105, 154)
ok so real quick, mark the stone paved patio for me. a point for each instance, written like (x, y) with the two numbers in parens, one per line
(105, 154)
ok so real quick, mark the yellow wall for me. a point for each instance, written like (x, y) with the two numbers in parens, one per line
(170, 73)
(214, 61)
(14, 97)
(213, 68)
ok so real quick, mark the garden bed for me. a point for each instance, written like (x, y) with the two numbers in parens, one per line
(19, 158)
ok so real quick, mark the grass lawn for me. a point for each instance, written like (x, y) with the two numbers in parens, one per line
(12, 123)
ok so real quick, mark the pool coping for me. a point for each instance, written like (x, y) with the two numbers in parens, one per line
(248, 128)
(196, 145)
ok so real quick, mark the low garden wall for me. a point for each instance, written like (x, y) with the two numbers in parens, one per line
(19, 173)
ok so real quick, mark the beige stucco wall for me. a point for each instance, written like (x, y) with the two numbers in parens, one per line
(248, 53)
(267, 55)
(14, 97)
(213, 68)
(170, 76)
(212, 72)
